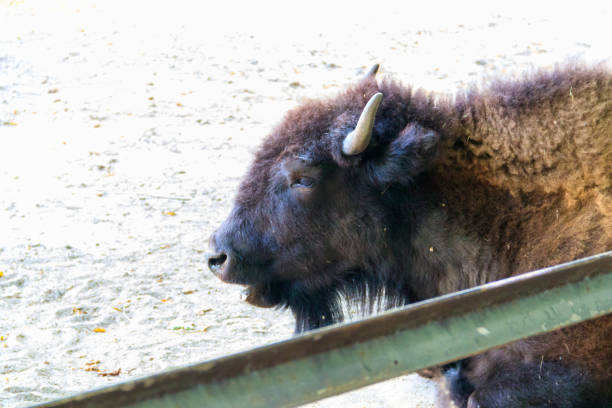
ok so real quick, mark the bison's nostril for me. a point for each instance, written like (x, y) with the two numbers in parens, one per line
(216, 261)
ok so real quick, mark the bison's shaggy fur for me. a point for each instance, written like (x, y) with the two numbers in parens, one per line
(450, 193)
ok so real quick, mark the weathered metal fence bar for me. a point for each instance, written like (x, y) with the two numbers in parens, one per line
(338, 359)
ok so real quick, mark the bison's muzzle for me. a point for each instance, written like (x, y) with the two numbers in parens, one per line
(218, 259)
(220, 264)
(216, 263)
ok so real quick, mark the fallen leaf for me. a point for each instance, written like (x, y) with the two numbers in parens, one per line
(99, 330)
(78, 310)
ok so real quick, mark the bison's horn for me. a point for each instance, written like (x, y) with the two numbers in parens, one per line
(357, 141)
(372, 72)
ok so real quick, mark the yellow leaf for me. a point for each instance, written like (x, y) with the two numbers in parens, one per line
(1, 274)
(170, 213)
(78, 311)
(99, 330)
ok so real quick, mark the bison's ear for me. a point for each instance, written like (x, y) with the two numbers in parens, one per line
(411, 153)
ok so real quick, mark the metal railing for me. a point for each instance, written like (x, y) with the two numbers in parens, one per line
(340, 358)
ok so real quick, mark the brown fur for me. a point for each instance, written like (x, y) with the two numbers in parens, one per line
(450, 193)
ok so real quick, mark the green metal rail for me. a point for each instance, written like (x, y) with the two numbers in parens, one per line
(337, 359)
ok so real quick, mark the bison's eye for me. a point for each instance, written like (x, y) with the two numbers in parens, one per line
(303, 182)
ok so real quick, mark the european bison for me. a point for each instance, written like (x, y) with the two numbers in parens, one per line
(385, 192)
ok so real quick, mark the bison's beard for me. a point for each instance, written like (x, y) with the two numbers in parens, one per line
(314, 308)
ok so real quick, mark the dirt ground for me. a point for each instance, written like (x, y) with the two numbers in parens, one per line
(125, 128)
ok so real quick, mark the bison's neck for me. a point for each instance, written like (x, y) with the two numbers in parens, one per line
(469, 232)
(522, 180)
(463, 235)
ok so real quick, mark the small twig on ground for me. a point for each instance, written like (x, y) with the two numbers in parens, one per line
(110, 373)
(164, 197)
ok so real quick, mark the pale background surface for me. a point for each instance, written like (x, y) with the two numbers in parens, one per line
(124, 130)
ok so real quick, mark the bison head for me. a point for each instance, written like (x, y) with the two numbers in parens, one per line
(324, 209)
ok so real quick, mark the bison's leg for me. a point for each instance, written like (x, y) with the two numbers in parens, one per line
(456, 387)
(534, 385)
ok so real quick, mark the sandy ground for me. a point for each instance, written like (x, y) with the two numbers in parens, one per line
(124, 130)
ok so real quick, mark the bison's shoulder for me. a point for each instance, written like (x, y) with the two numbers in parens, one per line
(548, 130)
